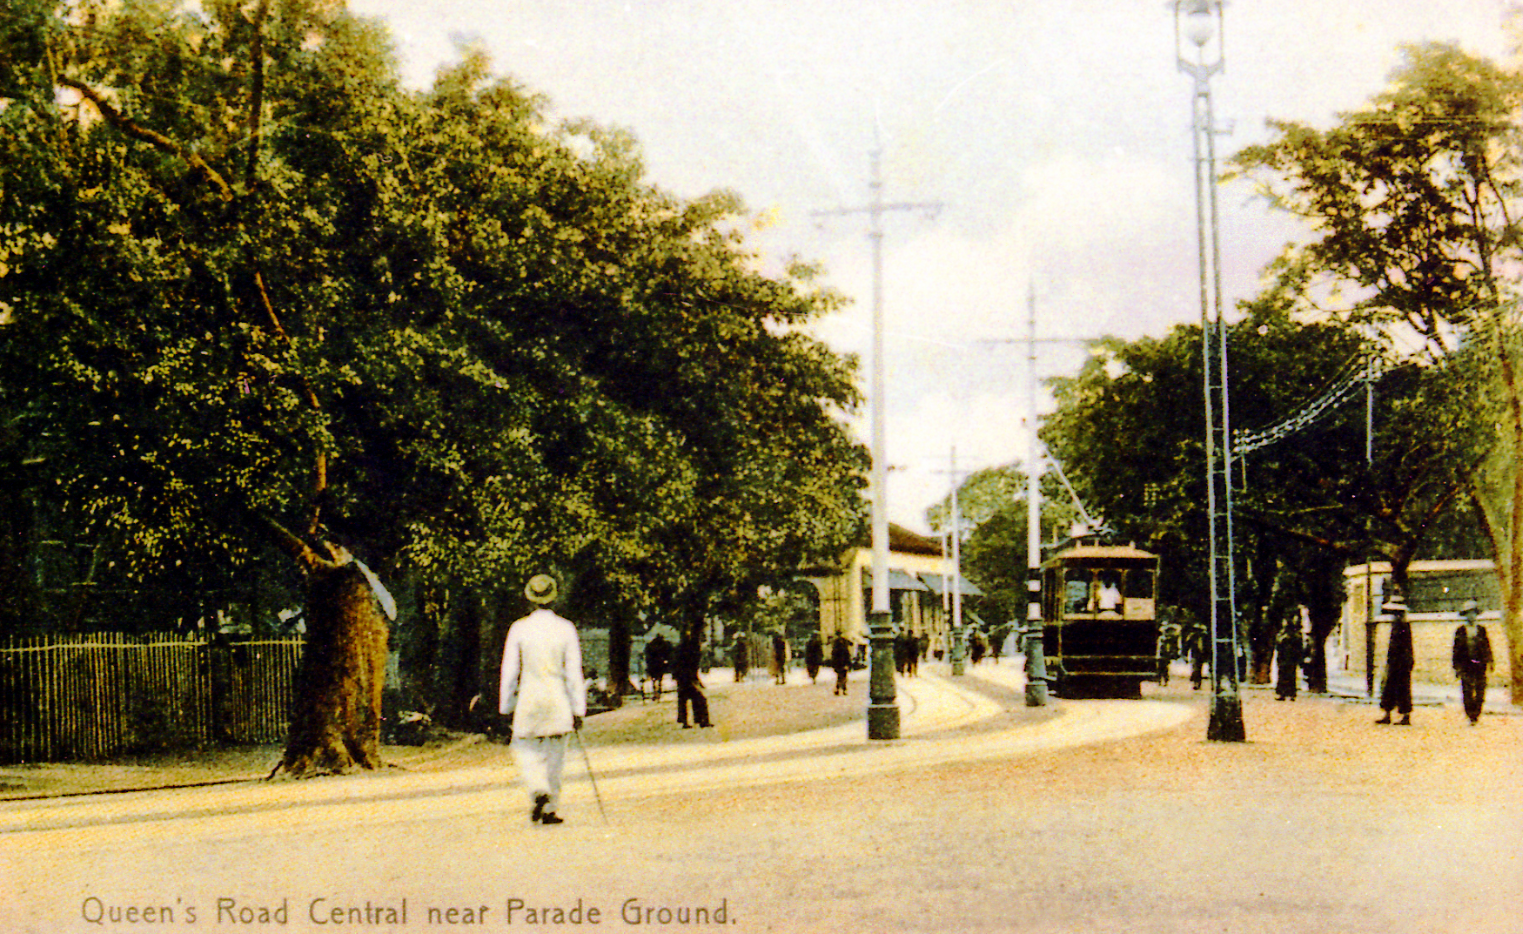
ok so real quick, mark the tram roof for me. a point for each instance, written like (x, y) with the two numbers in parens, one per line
(1089, 552)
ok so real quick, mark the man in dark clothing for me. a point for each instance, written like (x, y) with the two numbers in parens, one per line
(1472, 660)
(1195, 643)
(689, 688)
(658, 657)
(1396, 688)
(779, 659)
(814, 656)
(742, 656)
(1288, 657)
(840, 661)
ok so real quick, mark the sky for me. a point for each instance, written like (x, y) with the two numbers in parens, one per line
(1052, 136)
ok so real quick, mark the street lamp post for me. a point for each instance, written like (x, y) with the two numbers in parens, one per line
(959, 634)
(1036, 665)
(1199, 22)
(882, 708)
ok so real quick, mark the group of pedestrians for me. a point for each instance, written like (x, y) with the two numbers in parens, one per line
(1470, 657)
(685, 663)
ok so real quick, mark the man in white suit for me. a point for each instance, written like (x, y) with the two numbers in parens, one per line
(544, 692)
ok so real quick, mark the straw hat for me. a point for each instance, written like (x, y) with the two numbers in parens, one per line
(541, 589)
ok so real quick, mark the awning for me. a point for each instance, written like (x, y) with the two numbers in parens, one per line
(897, 580)
(938, 585)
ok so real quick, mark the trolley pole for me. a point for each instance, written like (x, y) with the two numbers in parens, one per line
(882, 708)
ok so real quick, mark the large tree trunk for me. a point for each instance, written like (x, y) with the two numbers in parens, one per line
(1324, 608)
(618, 660)
(336, 714)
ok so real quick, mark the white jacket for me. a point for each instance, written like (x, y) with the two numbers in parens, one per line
(542, 684)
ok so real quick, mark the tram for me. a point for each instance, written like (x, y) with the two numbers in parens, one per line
(1099, 618)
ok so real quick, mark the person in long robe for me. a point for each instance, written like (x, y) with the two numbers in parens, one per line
(1396, 686)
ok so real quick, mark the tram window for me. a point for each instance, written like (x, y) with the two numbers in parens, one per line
(1139, 584)
(1076, 591)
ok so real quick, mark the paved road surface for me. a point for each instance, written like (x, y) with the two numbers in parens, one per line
(1105, 816)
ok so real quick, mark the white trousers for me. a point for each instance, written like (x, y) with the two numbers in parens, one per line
(540, 761)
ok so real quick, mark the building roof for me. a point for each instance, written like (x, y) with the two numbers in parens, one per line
(903, 540)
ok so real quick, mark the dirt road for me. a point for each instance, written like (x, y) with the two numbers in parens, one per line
(1096, 817)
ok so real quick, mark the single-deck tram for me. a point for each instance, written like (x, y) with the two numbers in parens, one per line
(1099, 618)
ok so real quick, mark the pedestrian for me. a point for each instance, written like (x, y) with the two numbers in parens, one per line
(980, 645)
(1396, 688)
(1472, 660)
(689, 687)
(658, 660)
(840, 661)
(740, 654)
(912, 655)
(545, 693)
(997, 642)
(1195, 644)
(1288, 657)
(814, 656)
(779, 665)
(1168, 643)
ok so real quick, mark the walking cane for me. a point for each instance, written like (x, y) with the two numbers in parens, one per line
(587, 760)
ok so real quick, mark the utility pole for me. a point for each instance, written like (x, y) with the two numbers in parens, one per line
(1199, 22)
(882, 710)
(1033, 633)
(957, 652)
(1036, 661)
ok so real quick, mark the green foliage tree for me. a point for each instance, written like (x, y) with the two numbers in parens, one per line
(992, 503)
(259, 301)
(1412, 202)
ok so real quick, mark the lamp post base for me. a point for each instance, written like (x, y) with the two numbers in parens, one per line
(882, 721)
(882, 711)
(1036, 670)
(1226, 724)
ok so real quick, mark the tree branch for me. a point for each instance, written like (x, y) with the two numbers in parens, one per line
(155, 139)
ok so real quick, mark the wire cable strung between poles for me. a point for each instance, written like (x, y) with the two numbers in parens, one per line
(1355, 374)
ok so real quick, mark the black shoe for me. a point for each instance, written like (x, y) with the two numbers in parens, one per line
(549, 818)
(538, 814)
(1384, 719)
(706, 726)
(1404, 721)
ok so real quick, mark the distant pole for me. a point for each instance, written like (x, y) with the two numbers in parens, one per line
(1036, 662)
(1369, 557)
(959, 635)
(882, 709)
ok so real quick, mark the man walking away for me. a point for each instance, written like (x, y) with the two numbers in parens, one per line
(545, 693)
(1396, 689)
(840, 661)
(689, 687)
(1472, 660)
